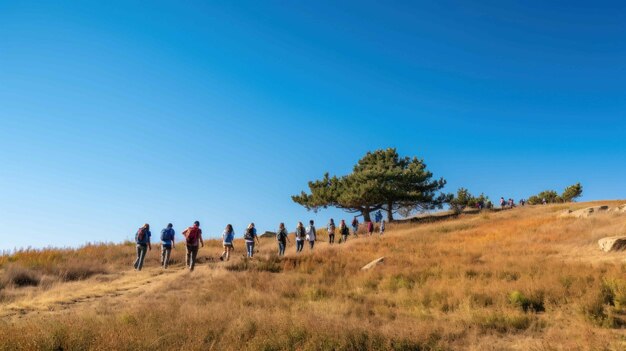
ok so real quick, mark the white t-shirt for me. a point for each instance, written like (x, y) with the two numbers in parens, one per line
(310, 233)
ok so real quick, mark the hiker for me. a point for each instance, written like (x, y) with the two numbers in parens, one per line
(370, 228)
(142, 239)
(250, 237)
(311, 234)
(355, 225)
(543, 201)
(167, 244)
(300, 235)
(331, 231)
(193, 237)
(522, 202)
(344, 231)
(227, 241)
(502, 202)
(282, 237)
(378, 216)
(382, 227)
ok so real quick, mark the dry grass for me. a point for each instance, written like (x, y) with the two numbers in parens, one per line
(519, 280)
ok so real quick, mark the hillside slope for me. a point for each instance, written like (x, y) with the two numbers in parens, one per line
(520, 279)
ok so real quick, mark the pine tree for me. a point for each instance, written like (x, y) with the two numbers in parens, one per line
(380, 180)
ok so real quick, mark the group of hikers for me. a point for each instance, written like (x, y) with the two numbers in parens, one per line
(193, 239)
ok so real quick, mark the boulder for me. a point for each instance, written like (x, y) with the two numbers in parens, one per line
(612, 244)
(585, 212)
(619, 209)
(374, 263)
(268, 234)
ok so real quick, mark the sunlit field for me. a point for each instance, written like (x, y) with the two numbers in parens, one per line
(521, 279)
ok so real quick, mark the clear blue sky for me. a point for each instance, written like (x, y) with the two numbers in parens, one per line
(116, 113)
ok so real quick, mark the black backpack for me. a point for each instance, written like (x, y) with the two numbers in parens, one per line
(282, 235)
(249, 234)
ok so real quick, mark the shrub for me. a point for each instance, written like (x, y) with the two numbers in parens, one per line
(20, 276)
(601, 314)
(533, 303)
(504, 323)
(79, 271)
(272, 264)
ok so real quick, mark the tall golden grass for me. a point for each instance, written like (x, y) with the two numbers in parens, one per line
(521, 280)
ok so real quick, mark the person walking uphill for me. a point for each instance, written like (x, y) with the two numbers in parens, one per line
(193, 236)
(300, 235)
(344, 231)
(227, 241)
(142, 239)
(331, 231)
(282, 237)
(311, 234)
(355, 226)
(370, 228)
(250, 237)
(167, 244)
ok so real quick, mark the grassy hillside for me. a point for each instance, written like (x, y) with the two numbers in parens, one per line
(521, 279)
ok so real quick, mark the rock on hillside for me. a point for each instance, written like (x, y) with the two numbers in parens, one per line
(619, 209)
(584, 213)
(268, 234)
(612, 244)
(374, 263)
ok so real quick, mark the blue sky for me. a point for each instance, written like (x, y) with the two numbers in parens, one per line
(117, 113)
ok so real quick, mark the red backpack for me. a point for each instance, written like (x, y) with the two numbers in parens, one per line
(192, 235)
(141, 233)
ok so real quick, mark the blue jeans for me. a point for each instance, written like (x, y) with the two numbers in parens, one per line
(250, 248)
(281, 247)
(299, 245)
(141, 255)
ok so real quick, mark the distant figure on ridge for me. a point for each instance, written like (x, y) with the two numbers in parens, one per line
(250, 237)
(543, 201)
(282, 237)
(167, 244)
(502, 202)
(193, 238)
(142, 239)
(382, 227)
(300, 235)
(511, 203)
(355, 225)
(522, 202)
(344, 231)
(331, 231)
(370, 228)
(311, 234)
(227, 241)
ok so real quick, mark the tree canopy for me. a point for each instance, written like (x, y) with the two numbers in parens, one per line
(570, 194)
(380, 180)
(464, 198)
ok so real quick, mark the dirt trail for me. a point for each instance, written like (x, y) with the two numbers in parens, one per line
(62, 297)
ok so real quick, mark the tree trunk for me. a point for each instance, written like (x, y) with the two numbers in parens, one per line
(366, 214)
(390, 212)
